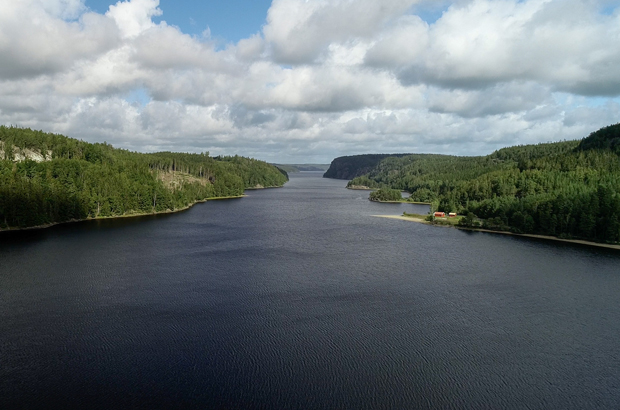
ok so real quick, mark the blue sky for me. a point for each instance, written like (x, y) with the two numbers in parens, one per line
(233, 20)
(229, 20)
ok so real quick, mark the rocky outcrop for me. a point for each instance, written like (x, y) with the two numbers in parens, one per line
(18, 154)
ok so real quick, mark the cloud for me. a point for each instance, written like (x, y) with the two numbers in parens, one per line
(320, 79)
(298, 30)
(63, 9)
(166, 47)
(250, 48)
(330, 89)
(502, 98)
(400, 45)
(569, 45)
(134, 16)
(35, 40)
(242, 117)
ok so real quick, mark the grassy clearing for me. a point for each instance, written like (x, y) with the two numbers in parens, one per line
(418, 216)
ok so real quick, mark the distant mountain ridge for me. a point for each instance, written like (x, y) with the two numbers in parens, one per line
(294, 168)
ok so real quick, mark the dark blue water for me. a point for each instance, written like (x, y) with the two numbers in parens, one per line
(297, 298)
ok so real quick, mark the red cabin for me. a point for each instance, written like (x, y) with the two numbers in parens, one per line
(452, 214)
(440, 214)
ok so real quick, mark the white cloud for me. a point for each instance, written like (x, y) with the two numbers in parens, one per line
(333, 88)
(64, 9)
(566, 44)
(134, 16)
(250, 48)
(322, 78)
(36, 42)
(400, 45)
(299, 30)
(516, 96)
(166, 47)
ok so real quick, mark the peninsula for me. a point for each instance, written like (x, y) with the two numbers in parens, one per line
(423, 220)
(47, 179)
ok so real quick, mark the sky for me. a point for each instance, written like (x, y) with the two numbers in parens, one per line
(305, 81)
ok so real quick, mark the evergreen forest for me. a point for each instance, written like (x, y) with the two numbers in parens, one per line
(353, 166)
(386, 195)
(567, 189)
(48, 178)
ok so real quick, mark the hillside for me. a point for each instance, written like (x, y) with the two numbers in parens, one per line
(349, 167)
(568, 189)
(294, 168)
(49, 178)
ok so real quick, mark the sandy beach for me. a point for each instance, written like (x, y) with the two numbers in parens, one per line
(403, 218)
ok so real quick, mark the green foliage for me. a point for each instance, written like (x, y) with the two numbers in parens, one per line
(607, 138)
(81, 180)
(469, 221)
(386, 195)
(412, 215)
(569, 189)
(363, 181)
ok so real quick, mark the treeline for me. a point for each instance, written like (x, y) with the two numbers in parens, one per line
(568, 189)
(47, 178)
(386, 195)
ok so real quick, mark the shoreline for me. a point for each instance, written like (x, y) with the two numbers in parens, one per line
(168, 211)
(403, 218)
(254, 188)
(526, 235)
(404, 201)
(388, 202)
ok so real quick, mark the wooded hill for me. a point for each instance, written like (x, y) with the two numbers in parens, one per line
(49, 178)
(353, 166)
(568, 189)
(295, 168)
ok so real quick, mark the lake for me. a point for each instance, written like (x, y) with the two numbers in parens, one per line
(297, 298)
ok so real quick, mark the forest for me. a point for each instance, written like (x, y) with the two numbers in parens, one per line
(568, 189)
(49, 178)
(386, 195)
(353, 166)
